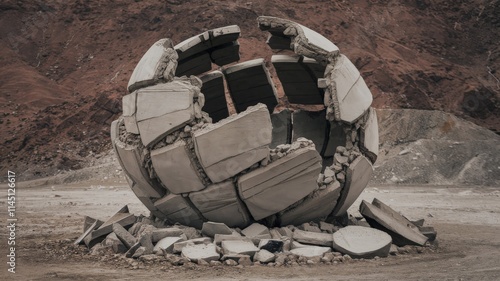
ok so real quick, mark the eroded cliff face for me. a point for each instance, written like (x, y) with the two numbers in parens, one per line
(65, 66)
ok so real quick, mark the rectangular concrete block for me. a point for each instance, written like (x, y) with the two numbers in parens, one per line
(175, 169)
(220, 202)
(313, 238)
(177, 209)
(131, 159)
(401, 234)
(235, 136)
(163, 108)
(270, 189)
(319, 205)
(239, 247)
(310, 125)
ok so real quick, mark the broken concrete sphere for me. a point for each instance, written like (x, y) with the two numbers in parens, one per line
(189, 161)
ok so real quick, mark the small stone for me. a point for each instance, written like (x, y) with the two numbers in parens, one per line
(230, 262)
(139, 252)
(203, 262)
(215, 263)
(341, 177)
(328, 180)
(245, 261)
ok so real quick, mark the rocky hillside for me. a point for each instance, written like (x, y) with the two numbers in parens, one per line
(65, 64)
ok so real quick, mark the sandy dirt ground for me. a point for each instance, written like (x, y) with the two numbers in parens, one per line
(51, 217)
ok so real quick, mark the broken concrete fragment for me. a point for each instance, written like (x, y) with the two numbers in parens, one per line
(218, 146)
(96, 236)
(220, 202)
(315, 206)
(88, 228)
(150, 69)
(429, 232)
(167, 244)
(218, 238)
(362, 242)
(249, 83)
(395, 215)
(161, 233)
(174, 166)
(163, 108)
(256, 230)
(239, 247)
(206, 252)
(286, 232)
(313, 238)
(125, 237)
(351, 92)
(264, 256)
(328, 227)
(133, 249)
(112, 241)
(146, 242)
(271, 245)
(289, 178)
(311, 251)
(211, 228)
(400, 233)
(358, 174)
(177, 209)
(178, 246)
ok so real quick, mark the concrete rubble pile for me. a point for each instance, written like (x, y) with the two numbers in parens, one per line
(380, 233)
(192, 163)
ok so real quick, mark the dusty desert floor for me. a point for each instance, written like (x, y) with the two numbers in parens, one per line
(51, 217)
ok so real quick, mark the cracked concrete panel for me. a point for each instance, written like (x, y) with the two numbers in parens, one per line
(174, 168)
(299, 81)
(336, 138)
(177, 209)
(131, 158)
(250, 83)
(230, 167)
(304, 41)
(220, 203)
(282, 128)
(270, 189)
(350, 90)
(194, 65)
(163, 108)
(359, 172)
(401, 234)
(356, 102)
(215, 99)
(225, 54)
(153, 63)
(231, 137)
(310, 125)
(369, 135)
(315, 206)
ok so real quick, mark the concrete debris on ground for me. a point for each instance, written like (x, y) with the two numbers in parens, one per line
(217, 244)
